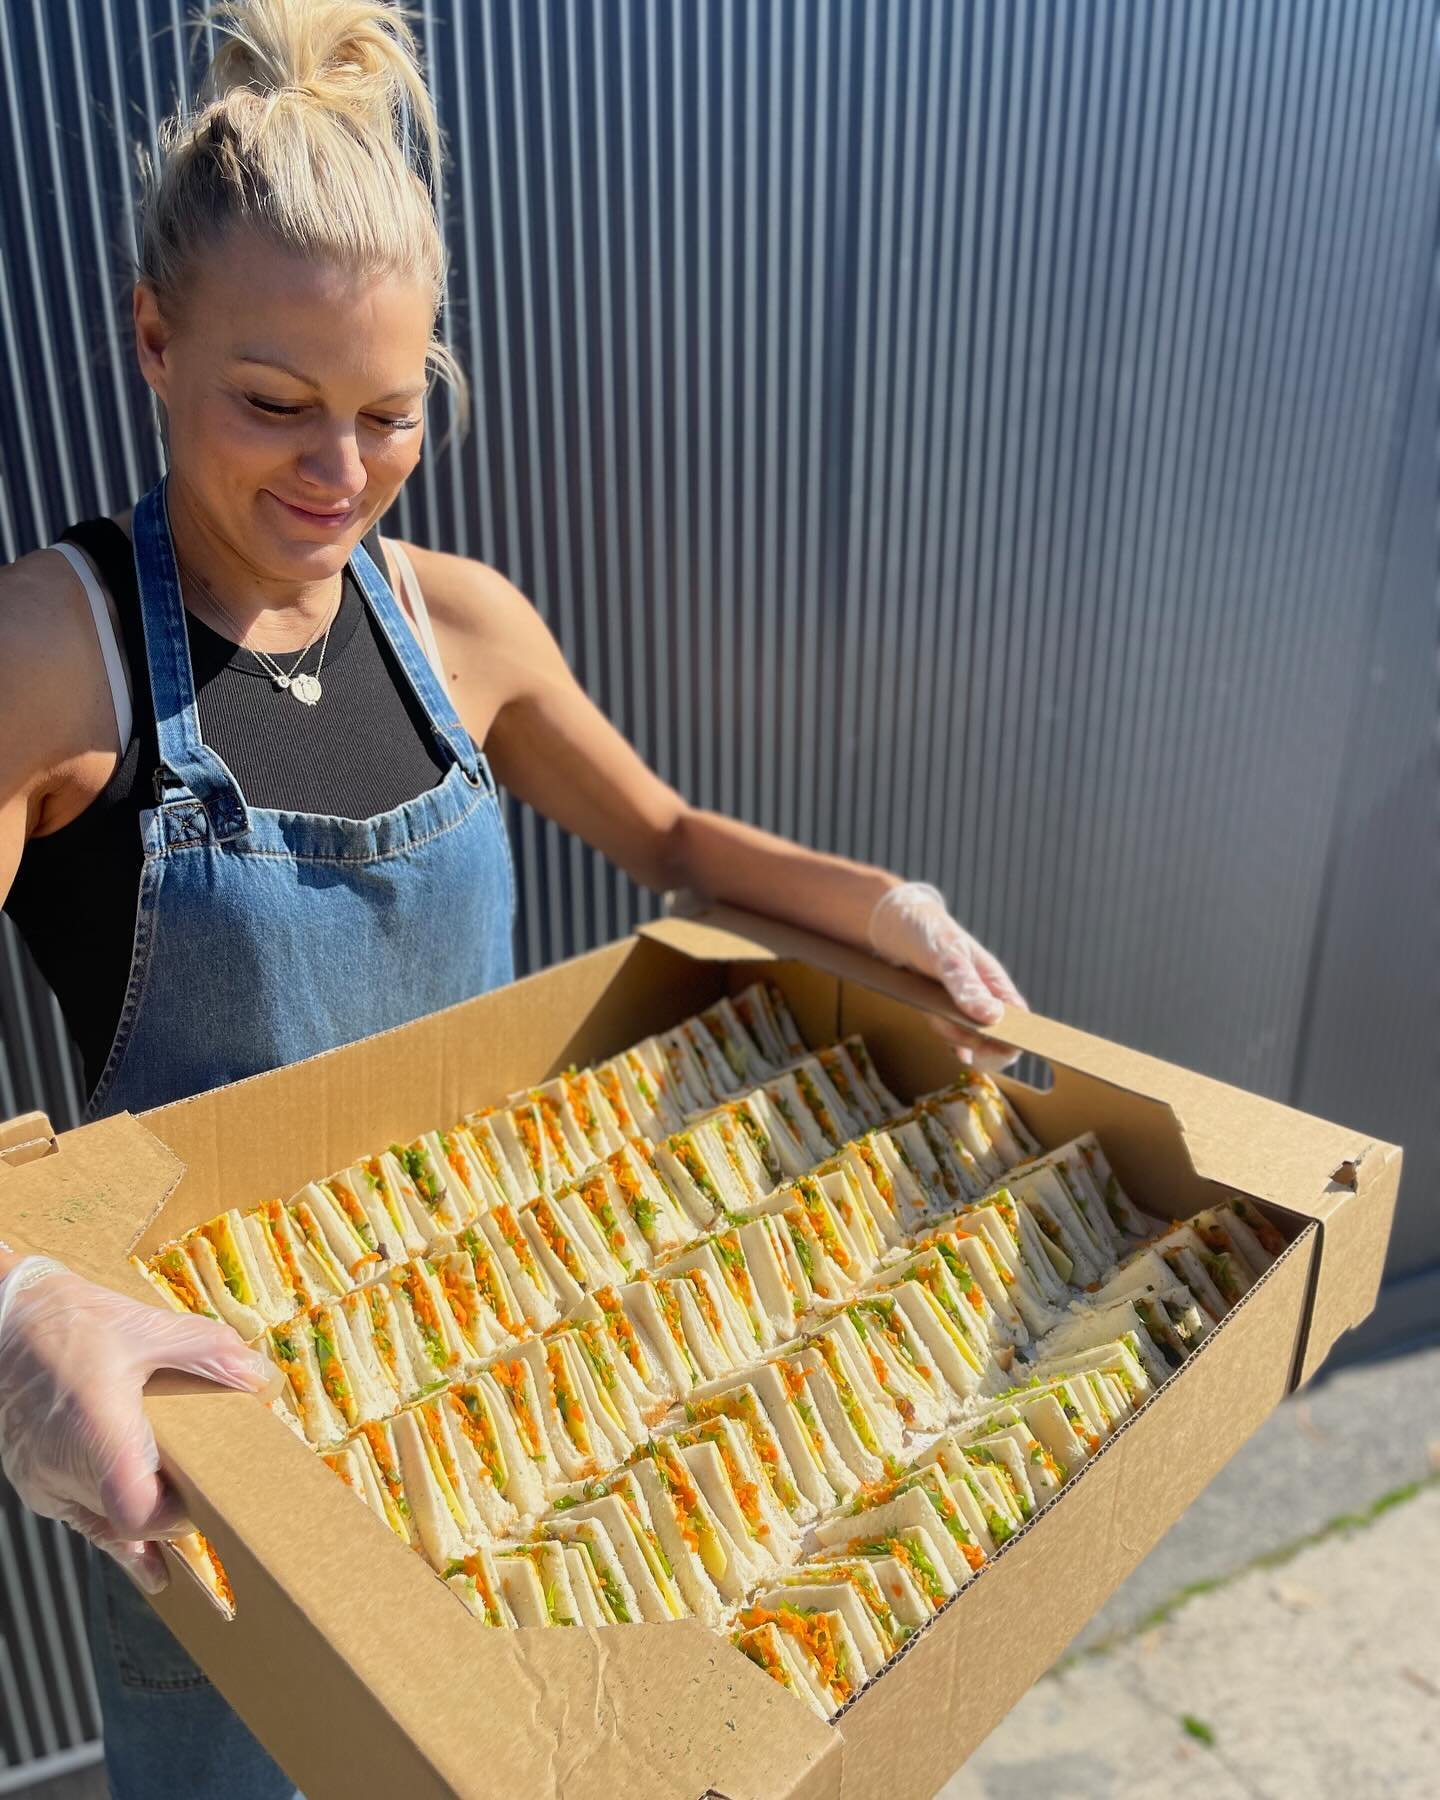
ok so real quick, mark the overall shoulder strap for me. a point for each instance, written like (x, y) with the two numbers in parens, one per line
(428, 684)
(184, 754)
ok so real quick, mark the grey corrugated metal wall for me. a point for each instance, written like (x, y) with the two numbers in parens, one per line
(988, 439)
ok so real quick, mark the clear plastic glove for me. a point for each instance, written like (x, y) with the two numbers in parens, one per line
(911, 925)
(74, 1442)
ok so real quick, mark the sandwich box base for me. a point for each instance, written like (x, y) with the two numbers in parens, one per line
(357, 1668)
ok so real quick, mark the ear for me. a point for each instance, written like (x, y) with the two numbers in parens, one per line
(152, 339)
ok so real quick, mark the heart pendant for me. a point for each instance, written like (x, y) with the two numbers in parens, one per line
(306, 688)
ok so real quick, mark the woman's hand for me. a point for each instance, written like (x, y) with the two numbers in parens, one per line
(911, 925)
(74, 1441)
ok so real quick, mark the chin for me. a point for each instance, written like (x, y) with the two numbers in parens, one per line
(316, 547)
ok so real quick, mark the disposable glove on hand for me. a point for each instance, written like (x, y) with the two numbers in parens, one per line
(74, 1441)
(911, 925)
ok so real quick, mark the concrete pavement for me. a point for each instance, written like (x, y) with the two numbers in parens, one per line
(1282, 1642)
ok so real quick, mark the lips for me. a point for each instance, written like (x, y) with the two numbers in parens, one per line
(311, 515)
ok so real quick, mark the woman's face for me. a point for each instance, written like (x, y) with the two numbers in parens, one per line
(293, 392)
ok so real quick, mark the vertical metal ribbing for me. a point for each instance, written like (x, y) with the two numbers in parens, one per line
(34, 1716)
(29, 258)
(1165, 138)
(875, 644)
(633, 676)
(899, 599)
(427, 499)
(850, 749)
(1391, 121)
(54, 1654)
(661, 568)
(700, 99)
(124, 479)
(742, 593)
(729, 147)
(503, 444)
(771, 492)
(1307, 159)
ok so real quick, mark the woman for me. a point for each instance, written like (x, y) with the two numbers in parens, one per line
(245, 812)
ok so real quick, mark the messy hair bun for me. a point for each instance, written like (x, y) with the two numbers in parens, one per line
(314, 128)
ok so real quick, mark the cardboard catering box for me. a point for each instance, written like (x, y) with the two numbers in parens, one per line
(355, 1665)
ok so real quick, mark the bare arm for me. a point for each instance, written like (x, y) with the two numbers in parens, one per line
(57, 721)
(552, 746)
(56, 729)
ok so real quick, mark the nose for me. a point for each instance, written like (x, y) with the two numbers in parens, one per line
(331, 465)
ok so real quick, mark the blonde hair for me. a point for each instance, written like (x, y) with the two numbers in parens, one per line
(313, 128)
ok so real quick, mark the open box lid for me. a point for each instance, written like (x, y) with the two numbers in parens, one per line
(1341, 1178)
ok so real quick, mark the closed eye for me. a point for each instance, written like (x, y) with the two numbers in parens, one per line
(275, 409)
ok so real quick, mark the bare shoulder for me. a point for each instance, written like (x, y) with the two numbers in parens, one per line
(461, 591)
(487, 629)
(57, 721)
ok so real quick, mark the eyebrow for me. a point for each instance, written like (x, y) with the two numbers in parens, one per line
(272, 362)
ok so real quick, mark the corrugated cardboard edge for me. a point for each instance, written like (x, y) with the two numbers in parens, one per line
(1093, 1536)
(680, 1709)
(88, 1199)
(1341, 1178)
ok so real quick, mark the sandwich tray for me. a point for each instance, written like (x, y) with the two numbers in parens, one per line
(357, 1668)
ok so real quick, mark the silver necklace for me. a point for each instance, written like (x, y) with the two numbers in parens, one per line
(306, 688)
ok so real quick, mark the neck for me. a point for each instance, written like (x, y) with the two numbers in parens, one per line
(270, 612)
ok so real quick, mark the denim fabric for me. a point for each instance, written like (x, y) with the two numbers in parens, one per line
(261, 938)
(265, 937)
(168, 1732)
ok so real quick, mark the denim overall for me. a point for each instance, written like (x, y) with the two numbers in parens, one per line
(263, 937)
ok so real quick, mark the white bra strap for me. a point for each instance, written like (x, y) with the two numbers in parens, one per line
(109, 648)
(413, 601)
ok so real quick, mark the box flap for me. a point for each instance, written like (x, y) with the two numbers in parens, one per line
(89, 1198)
(1323, 1171)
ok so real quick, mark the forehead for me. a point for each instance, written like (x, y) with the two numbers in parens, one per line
(254, 300)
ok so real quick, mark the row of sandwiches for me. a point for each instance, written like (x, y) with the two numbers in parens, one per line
(827, 1413)
(823, 1260)
(567, 1176)
(855, 1465)
(642, 1337)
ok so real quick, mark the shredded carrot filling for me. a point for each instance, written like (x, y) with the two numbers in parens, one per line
(458, 1297)
(814, 1634)
(475, 1569)
(529, 1134)
(172, 1268)
(611, 1088)
(557, 1241)
(476, 1423)
(514, 1237)
(343, 1195)
(511, 1377)
(217, 1570)
(374, 1435)
(435, 1431)
(793, 1378)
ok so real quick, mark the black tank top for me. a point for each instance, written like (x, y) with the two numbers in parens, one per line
(367, 747)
